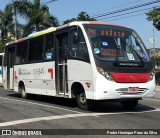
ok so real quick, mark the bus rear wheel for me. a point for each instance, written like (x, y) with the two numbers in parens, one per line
(82, 102)
(23, 92)
(131, 104)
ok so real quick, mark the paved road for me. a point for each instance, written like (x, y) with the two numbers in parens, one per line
(157, 95)
(41, 112)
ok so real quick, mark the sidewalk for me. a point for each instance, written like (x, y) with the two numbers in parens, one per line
(157, 95)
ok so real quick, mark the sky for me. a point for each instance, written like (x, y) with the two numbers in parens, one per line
(67, 9)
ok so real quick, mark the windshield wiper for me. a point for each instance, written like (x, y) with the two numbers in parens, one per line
(131, 48)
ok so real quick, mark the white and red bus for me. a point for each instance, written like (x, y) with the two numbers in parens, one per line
(87, 61)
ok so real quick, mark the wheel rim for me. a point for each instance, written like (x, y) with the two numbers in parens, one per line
(82, 98)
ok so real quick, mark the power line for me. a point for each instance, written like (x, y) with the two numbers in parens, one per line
(126, 9)
(138, 14)
(130, 8)
(115, 7)
(50, 1)
(127, 16)
(125, 13)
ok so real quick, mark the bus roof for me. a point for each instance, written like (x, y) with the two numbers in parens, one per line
(86, 22)
(52, 29)
(94, 22)
(46, 31)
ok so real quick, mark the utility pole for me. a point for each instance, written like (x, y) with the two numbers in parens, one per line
(154, 52)
(153, 40)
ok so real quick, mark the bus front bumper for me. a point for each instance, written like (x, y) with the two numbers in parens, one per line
(111, 90)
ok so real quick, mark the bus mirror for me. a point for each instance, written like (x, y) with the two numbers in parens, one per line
(75, 38)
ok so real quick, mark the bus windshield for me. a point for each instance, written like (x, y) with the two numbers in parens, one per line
(116, 44)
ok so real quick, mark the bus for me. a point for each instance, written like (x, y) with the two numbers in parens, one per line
(1, 68)
(87, 61)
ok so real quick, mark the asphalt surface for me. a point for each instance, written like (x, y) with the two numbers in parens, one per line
(44, 112)
(157, 95)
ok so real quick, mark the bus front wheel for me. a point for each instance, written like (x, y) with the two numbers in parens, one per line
(23, 92)
(82, 102)
(131, 104)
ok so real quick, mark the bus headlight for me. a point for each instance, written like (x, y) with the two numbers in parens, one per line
(151, 76)
(106, 74)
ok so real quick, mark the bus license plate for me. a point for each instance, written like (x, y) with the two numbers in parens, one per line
(133, 89)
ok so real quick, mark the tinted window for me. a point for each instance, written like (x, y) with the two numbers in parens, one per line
(78, 47)
(5, 56)
(21, 54)
(0, 60)
(49, 49)
(36, 49)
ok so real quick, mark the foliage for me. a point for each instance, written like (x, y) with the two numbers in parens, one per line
(1, 47)
(3, 43)
(157, 60)
(36, 15)
(70, 20)
(157, 77)
(6, 22)
(157, 68)
(154, 15)
(82, 16)
(6, 25)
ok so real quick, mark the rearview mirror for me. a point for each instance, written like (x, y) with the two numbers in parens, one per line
(75, 38)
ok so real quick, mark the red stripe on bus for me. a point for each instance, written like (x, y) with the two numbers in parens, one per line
(104, 23)
(130, 77)
(51, 72)
(20, 40)
(15, 76)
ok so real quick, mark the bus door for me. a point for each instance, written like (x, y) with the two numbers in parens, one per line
(61, 64)
(10, 68)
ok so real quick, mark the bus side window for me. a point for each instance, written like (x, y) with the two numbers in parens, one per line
(73, 44)
(21, 53)
(49, 47)
(78, 47)
(36, 49)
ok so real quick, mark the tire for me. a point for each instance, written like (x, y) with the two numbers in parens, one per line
(24, 95)
(129, 104)
(82, 102)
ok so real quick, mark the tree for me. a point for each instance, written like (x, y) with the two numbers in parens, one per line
(82, 16)
(154, 15)
(157, 61)
(6, 25)
(36, 15)
(70, 20)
